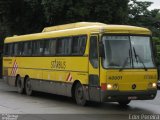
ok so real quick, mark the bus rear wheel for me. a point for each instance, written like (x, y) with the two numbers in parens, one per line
(20, 88)
(28, 87)
(79, 95)
(124, 103)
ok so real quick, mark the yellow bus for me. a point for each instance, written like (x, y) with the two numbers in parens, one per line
(88, 61)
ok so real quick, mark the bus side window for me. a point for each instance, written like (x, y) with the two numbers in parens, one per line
(46, 47)
(52, 46)
(15, 49)
(6, 49)
(35, 48)
(59, 49)
(93, 51)
(64, 46)
(78, 45)
(20, 49)
(82, 44)
(38, 47)
(67, 45)
(11, 50)
(75, 45)
(27, 50)
(41, 45)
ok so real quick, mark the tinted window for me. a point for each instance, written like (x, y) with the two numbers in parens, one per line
(63, 46)
(78, 45)
(11, 49)
(27, 50)
(59, 46)
(93, 52)
(46, 47)
(6, 49)
(18, 48)
(38, 47)
(67, 46)
(52, 47)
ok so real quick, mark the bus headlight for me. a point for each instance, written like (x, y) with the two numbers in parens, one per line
(154, 85)
(109, 86)
(112, 87)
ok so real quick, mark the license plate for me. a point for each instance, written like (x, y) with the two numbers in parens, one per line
(132, 97)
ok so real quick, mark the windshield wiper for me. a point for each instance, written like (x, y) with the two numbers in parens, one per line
(126, 60)
(138, 57)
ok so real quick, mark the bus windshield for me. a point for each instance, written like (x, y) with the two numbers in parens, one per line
(127, 52)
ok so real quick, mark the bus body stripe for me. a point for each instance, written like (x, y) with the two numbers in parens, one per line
(69, 77)
(14, 68)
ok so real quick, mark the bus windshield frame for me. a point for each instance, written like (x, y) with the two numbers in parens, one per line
(127, 52)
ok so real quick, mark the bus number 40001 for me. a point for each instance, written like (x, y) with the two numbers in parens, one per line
(115, 77)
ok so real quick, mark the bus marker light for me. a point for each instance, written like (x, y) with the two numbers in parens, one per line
(103, 86)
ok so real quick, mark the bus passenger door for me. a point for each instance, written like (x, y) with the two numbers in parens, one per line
(94, 82)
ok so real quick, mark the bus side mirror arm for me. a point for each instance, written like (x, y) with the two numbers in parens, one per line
(101, 50)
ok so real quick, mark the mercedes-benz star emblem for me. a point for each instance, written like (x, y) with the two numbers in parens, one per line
(134, 86)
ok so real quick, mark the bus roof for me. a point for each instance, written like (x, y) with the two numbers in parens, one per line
(72, 25)
(79, 29)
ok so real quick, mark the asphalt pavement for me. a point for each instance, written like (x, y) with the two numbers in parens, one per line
(42, 106)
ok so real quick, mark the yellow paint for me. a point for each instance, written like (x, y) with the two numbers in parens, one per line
(130, 77)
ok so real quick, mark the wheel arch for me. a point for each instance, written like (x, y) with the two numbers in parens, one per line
(73, 88)
(18, 75)
(26, 76)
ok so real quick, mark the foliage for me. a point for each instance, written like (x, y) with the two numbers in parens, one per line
(67, 11)
(140, 15)
(28, 16)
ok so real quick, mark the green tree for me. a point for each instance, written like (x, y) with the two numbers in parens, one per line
(67, 11)
(27, 17)
(22, 16)
(140, 15)
(4, 22)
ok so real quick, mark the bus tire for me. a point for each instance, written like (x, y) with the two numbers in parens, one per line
(124, 103)
(79, 95)
(20, 88)
(28, 87)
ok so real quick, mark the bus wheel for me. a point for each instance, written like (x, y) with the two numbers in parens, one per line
(28, 87)
(124, 103)
(79, 95)
(20, 88)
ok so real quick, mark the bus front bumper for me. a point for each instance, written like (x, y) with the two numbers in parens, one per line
(114, 96)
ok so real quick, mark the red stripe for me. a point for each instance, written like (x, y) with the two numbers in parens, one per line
(68, 77)
(13, 68)
(13, 71)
